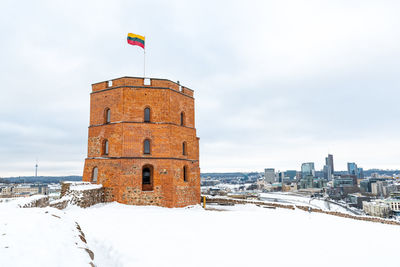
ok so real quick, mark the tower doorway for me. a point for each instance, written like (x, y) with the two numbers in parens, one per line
(147, 178)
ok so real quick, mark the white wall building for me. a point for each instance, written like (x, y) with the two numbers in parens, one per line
(394, 205)
(377, 208)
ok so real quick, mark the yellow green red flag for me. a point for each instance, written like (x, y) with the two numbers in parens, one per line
(135, 39)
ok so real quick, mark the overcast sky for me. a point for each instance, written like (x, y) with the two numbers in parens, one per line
(277, 83)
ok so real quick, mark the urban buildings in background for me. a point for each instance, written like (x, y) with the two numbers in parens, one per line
(329, 162)
(22, 190)
(352, 169)
(308, 177)
(375, 194)
(328, 167)
(370, 192)
(307, 169)
(270, 175)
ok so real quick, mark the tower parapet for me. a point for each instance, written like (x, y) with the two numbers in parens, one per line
(137, 81)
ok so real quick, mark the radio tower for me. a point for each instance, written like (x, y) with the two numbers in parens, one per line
(36, 166)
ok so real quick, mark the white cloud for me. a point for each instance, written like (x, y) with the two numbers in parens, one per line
(276, 82)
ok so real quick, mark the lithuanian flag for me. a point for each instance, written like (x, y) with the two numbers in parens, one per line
(135, 39)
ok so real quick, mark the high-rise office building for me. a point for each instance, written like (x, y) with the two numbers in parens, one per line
(269, 175)
(280, 176)
(307, 169)
(352, 168)
(291, 174)
(329, 162)
(360, 173)
(327, 172)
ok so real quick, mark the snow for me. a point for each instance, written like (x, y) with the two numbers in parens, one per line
(19, 202)
(64, 198)
(54, 186)
(36, 237)
(288, 198)
(227, 186)
(242, 235)
(80, 186)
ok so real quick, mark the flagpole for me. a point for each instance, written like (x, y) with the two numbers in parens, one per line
(144, 63)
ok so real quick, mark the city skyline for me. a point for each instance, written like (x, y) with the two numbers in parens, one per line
(310, 78)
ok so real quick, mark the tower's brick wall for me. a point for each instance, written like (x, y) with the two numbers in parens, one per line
(120, 171)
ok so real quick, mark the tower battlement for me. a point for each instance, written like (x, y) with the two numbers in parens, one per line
(142, 82)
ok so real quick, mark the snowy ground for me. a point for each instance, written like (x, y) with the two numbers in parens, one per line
(39, 237)
(243, 235)
(290, 198)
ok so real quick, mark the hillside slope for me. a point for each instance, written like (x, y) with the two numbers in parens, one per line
(242, 235)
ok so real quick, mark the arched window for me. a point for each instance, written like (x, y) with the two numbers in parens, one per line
(105, 147)
(147, 178)
(185, 175)
(107, 115)
(146, 146)
(147, 115)
(95, 172)
(184, 152)
(182, 118)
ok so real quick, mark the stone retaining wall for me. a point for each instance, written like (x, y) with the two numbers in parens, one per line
(87, 198)
(59, 204)
(292, 207)
(83, 197)
(344, 215)
(225, 201)
(37, 203)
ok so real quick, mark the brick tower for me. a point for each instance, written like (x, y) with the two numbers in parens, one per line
(142, 142)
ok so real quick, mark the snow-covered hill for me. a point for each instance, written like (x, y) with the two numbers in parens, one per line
(39, 237)
(242, 235)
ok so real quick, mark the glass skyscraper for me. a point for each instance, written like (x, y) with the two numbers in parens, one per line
(352, 168)
(307, 169)
(329, 162)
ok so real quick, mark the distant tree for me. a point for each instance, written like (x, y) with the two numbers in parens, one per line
(252, 187)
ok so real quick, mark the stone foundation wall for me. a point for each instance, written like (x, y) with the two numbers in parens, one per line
(122, 181)
(185, 197)
(108, 194)
(135, 196)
